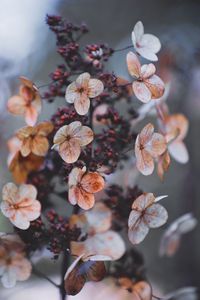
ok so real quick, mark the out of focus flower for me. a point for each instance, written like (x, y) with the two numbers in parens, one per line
(147, 85)
(27, 103)
(34, 139)
(145, 214)
(70, 138)
(80, 91)
(82, 187)
(147, 45)
(83, 269)
(163, 163)
(20, 204)
(140, 290)
(171, 239)
(148, 146)
(100, 240)
(13, 264)
(20, 166)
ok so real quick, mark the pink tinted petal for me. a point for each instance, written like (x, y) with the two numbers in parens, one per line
(16, 105)
(10, 192)
(99, 218)
(155, 216)
(71, 93)
(85, 135)
(23, 270)
(137, 232)
(179, 152)
(82, 105)
(31, 116)
(74, 128)
(37, 104)
(33, 211)
(61, 134)
(143, 201)
(19, 220)
(72, 197)
(147, 71)
(82, 198)
(141, 91)
(133, 64)
(156, 86)
(146, 134)
(6, 209)
(143, 289)
(109, 244)
(95, 87)
(144, 161)
(157, 145)
(27, 191)
(83, 80)
(70, 151)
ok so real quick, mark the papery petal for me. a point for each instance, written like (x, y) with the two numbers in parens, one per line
(138, 232)
(179, 152)
(7, 209)
(177, 122)
(141, 91)
(138, 32)
(147, 71)
(27, 191)
(157, 145)
(133, 64)
(85, 135)
(155, 216)
(82, 104)
(74, 128)
(99, 218)
(9, 278)
(26, 147)
(151, 42)
(144, 162)
(82, 198)
(10, 193)
(109, 244)
(83, 80)
(75, 176)
(61, 134)
(16, 105)
(71, 93)
(25, 132)
(143, 201)
(156, 86)
(95, 87)
(92, 182)
(70, 151)
(146, 53)
(44, 128)
(146, 134)
(134, 217)
(163, 164)
(31, 212)
(40, 145)
(19, 220)
(31, 115)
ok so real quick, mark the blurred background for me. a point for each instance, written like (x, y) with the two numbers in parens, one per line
(27, 47)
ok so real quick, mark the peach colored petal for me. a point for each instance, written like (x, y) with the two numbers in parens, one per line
(27, 82)
(155, 216)
(83, 80)
(143, 201)
(26, 147)
(163, 164)
(143, 289)
(177, 121)
(31, 115)
(10, 192)
(36, 103)
(16, 105)
(141, 91)
(71, 93)
(85, 135)
(23, 269)
(82, 104)
(109, 244)
(40, 145)
(25, 132)
(179, 152)
(31, 212)
(156, 86)
(133, 64)
(70, 150)
(44, 128)
(82, 198)
(146, 134)
(157, 145)
(61, 134)
(144, 162)
(95, 88)
(74, 128)
(92, 182)
(147, 71)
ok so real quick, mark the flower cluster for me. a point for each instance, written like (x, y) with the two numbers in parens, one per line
(73, 157)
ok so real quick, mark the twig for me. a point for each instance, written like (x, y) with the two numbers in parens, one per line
(42, 275)
(122, 49)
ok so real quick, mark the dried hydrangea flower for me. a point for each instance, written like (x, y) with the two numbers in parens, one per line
(20, 166)
(13, 264)
(101, 240)
(145, 214)
(80, 91)
(83, 269)
(147, 85)
(82, 187)
(148, 146)
(147, 45)
(141, 290)
(171, 239)
(27, 103)
(163, 163)
(70, 138)
(34, 139)
(20, 204)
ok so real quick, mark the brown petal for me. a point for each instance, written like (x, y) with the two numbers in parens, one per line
(16, 105)
(163, 164)
(147, 71)
(92, 182)
(156, 86)
(26, 147)
(82, 198)
(133, 64)
(31, 115)
(40, 145)
(44, 128)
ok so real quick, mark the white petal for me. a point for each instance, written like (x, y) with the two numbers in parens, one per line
(71, 93)
(155, 216)
(9, 278)
(179, 152)
(138, 232)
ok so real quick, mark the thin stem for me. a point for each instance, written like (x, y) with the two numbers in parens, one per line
(42, 275)
(64, 266)
(125, 48)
